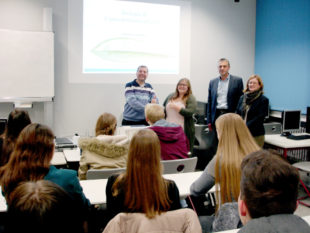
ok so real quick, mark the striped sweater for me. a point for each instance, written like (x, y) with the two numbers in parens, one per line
(136, 99)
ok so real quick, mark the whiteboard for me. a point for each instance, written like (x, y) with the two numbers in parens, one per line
(26, 65)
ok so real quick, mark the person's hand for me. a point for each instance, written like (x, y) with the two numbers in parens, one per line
(210, 127)
(154, 101)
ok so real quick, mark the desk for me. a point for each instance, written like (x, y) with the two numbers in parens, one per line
(129, 131)
(297, 149)
(3, 206)
(58, 159)
(94, 190)
(72, 156)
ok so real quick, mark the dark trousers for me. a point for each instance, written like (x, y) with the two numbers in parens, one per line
(220, 112)
(142, 122)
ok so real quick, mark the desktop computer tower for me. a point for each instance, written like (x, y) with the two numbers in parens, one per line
(308, 120)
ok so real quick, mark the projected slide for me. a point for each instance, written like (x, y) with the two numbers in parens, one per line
(118, 36)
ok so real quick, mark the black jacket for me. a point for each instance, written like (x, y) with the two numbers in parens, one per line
(256, 115)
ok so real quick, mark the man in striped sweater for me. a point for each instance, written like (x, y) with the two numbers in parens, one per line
(138, 93)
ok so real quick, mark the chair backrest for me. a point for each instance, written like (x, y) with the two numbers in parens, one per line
(93, 174)
(179, 165)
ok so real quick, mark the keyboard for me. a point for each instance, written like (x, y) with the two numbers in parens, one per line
(299, 137)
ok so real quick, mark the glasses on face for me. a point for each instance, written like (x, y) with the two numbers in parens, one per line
(253, 83)
(183, 85)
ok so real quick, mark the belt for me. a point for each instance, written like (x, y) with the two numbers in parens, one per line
(221, 111)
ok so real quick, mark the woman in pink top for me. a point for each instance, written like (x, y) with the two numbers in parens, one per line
(180, 107)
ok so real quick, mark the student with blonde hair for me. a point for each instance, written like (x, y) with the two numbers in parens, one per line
(173, 141)
(106, 150)
(235, 142)
(142, 188)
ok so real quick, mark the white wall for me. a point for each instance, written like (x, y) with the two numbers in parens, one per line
(219, 28)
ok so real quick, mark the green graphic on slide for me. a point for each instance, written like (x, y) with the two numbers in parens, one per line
(122, 49)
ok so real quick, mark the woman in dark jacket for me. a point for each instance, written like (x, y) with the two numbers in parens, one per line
(253, 107)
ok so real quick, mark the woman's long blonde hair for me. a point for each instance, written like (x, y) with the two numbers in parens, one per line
(235, 142)
(145, 189)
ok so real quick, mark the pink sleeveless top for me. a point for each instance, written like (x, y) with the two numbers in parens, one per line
(174, 116)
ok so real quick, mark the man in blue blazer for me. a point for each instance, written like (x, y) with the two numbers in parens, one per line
(224, 93)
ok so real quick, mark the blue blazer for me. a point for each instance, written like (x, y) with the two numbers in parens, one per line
(235, 88)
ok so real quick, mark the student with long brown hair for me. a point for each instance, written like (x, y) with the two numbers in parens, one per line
(235, 142)
(142, 188)
(180, 107)
(17, 120)
(31, 161)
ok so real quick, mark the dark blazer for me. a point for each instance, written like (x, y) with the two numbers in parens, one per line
(256, 115)
(235, 88)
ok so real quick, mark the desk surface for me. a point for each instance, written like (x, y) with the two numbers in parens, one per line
(58, 159)
(73, 155)
(283, 142)
(129, 130)
(95, 189)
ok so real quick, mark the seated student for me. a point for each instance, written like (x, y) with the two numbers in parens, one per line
(142, 188)
(17, 120)
(173, 141)
(268, 195)
(31, 161)
(42, 206)
(106, 150)
(182, 220)
(223, 171)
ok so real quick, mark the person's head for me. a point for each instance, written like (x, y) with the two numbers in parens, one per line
(269, 186)
(235, 142)
(106, 124)
(17, 120)
(254, 83)
(41, 206)
(146, 190)
(183, 89)
(142, 73)
(223, 66)
(153, 113)
(31, 157)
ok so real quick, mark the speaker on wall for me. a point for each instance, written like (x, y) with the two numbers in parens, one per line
(308, 120)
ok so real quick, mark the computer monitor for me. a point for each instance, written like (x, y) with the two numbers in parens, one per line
(290, 121)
